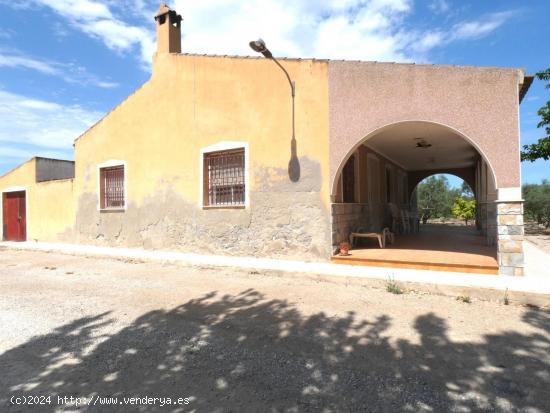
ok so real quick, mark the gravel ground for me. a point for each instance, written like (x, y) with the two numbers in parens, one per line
(538, 235)
(242, 341)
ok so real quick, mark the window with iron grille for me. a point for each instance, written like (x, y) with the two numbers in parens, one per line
(112, 187)
(224, 179)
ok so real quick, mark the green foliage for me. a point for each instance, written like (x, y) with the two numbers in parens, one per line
(541, 149)
(537, 202)
(506, 299)
(464, 298)
(464, 209)
(466, 191)
(436, 197)
(392, 287)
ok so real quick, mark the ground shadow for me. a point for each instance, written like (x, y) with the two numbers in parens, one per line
(244, 353)
(532, 228)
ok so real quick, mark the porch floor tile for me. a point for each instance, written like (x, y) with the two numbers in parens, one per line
(435, 247)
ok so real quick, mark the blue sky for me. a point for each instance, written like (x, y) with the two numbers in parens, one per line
(65, 63)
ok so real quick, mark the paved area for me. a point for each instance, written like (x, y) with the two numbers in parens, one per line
(538, 261)
(452, 248)
(538, 235)
(240, 341)
(531, 289)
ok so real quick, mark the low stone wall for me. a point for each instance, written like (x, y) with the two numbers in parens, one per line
(492, 224)
(510, 237)
(345, 219)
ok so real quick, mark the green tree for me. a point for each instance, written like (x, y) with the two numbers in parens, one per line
(435, 197)
(466, 191)
(464, 209)
(541, 149)
(537, 202)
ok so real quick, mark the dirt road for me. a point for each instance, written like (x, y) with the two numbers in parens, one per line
(220, 340)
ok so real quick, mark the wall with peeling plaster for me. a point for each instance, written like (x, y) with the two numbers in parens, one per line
(192, 102)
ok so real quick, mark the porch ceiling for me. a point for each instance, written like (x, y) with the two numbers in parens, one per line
(447, 150)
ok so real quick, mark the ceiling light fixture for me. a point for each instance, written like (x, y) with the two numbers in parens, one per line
(421, 143)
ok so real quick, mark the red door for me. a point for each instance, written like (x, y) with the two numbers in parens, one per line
(14, 216)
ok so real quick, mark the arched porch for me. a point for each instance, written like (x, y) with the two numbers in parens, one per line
(374, 189)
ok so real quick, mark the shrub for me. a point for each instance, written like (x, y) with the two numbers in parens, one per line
(392, 287)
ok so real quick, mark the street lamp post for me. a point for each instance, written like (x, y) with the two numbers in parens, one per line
(294, 164)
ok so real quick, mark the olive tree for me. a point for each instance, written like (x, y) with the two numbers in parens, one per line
(537, 202)
(541, 149)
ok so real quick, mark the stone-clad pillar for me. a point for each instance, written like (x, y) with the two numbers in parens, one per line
(510, 237)
(491, 223)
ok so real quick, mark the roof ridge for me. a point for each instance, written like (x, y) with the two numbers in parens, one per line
(228, 56)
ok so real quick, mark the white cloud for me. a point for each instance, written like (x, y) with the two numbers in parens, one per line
(47, 125)
(71, 73)
(338, 29)
(16, 61)
(9, 152)
(350, 29)
(96, 19)
(353, 29)
(439, 6)
(479, 28)
(16, 154)
(6, 33)
(116, 36)
(427, 41)
(464, 30)
(86, 10)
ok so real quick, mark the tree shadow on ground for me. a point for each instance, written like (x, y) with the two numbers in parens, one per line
(532, 228)
(244, 353)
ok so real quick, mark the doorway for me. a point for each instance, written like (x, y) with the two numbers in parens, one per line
(14, 215)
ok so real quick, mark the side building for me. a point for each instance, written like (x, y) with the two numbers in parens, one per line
(37, 201)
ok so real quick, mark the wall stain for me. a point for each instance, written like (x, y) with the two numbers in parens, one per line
(285, 219)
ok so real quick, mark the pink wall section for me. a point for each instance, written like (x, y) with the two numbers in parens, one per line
(480, 103)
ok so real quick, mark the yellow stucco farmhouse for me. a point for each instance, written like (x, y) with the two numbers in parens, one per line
(223, 155)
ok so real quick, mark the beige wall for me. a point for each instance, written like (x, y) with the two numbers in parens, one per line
(480, 103)
(192, 102)
(53, 214)
(50, 206)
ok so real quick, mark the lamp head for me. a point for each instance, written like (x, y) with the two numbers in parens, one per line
(259, 47)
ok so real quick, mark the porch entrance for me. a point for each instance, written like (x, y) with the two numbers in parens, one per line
(438, 247)
(14, 216)
(374, 190)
